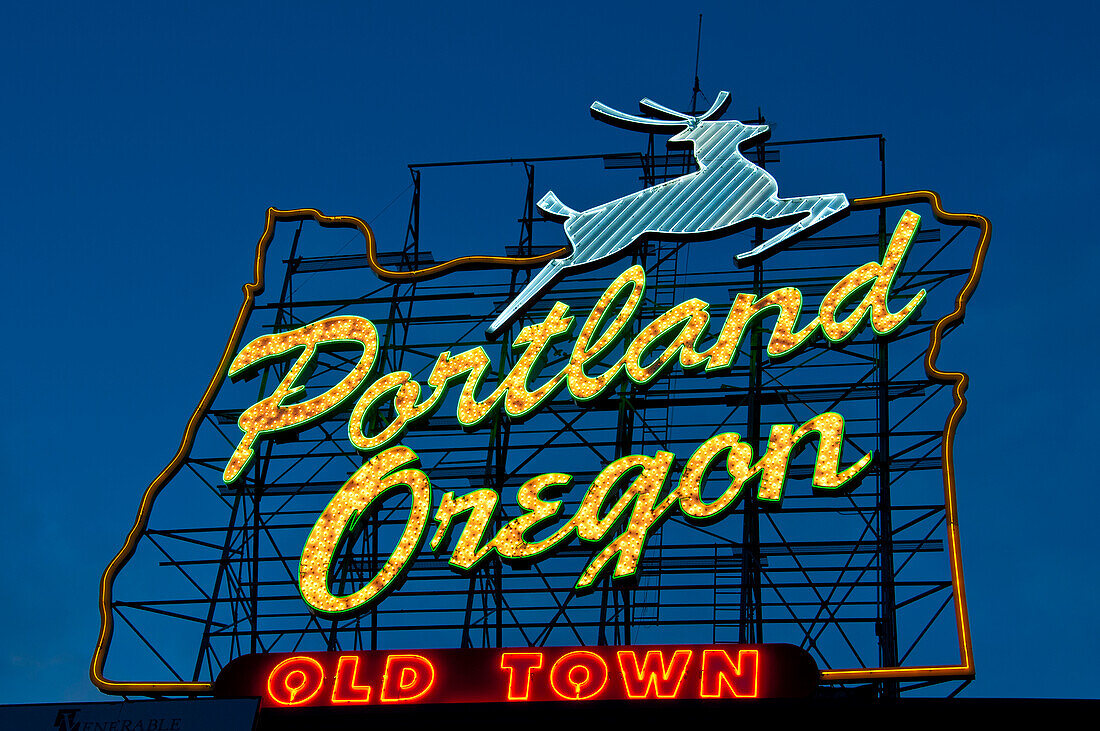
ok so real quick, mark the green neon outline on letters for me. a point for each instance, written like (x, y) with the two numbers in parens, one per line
(308, 360)
(556, 382)
(352, 526)
(560, 537)
(632, 500)
(613, 372)
(863, 462)
(676, 328)
(868, 315)
(467, 504)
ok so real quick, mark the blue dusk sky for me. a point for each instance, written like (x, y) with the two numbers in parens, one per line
(143, 142)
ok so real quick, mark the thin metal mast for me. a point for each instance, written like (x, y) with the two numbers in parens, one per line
(696, 91)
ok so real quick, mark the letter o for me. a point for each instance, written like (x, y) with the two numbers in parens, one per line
(295, 681)
(578, 675)
(348, 508)
(700, 463)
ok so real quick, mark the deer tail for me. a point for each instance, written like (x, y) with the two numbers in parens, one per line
(554, 208)
(543, 280)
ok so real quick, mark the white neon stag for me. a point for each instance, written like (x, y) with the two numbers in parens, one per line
(725, 194)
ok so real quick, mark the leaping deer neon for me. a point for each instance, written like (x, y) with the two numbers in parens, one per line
(726, 193)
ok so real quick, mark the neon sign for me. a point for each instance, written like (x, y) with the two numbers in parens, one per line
(726, 193)
(664, 672)
(648, 488)
(644, 499)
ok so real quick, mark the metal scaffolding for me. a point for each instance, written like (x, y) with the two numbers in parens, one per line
(858, 579)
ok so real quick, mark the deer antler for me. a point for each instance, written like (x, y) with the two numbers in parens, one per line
(623, 120)
(660, 111)
(721, 104)
(663, 119)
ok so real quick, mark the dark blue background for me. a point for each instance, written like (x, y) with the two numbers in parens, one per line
(141, 146)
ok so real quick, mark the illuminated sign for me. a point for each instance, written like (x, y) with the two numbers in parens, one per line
(688, 322)
(684, 327)
(610, 346)
(632, 672)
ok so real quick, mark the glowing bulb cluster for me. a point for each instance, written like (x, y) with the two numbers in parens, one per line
(511, 541)
(341, 518)
(272, 414)
(875, 301)
(784, 437)
(482, 506)
(680, 330)
(690, 492)
(693, 316)
(686, 323)
(583, 386)
(592, 522)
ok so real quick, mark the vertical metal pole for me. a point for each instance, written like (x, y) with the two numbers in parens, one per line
(601, 632)
(714, 613)
(257, 491)
(751, 621)
(696, 90)
(284, 310)
(527, 238)
(887, 625)
(467, 622)
(254, 584)
(751, 624)
(391, 360)
(624, 442)
(502, 426)
(494, 478)
(497, 450)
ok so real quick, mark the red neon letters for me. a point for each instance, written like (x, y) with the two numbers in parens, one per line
(407, 678)
(347, 687)
(578, 676)
(653, 679)
(529, 674)
(295, 681)
(721, 678)
(520, 666)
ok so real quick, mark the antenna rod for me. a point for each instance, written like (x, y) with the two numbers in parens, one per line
(695, 91)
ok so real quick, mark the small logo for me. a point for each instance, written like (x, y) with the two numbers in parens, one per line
(66, 719)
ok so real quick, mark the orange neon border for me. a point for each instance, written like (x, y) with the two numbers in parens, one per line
(959, 381)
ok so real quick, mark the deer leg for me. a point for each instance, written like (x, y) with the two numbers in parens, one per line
(816, 208)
